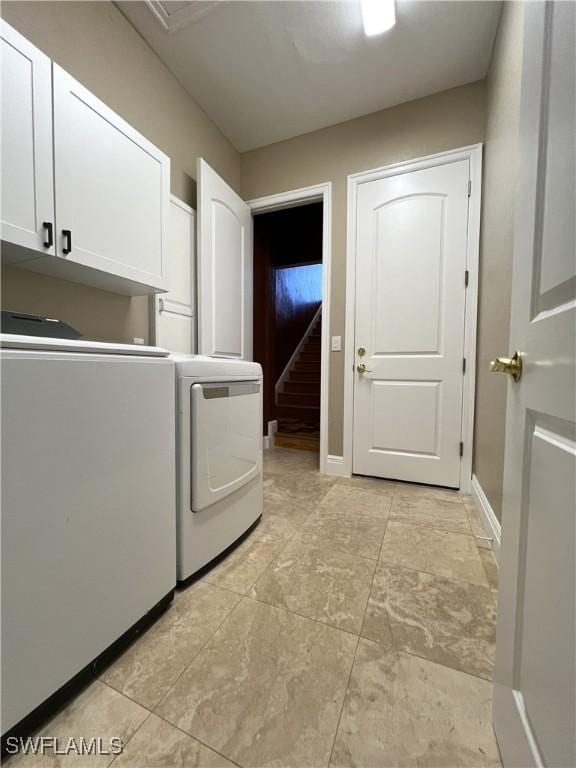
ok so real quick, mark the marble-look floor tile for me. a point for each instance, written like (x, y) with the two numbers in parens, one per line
(157, 744)
(349, 499)
(289, 460)
(451, 622)
(410, 491)
(374, 484)
(267, 690)
(482, 537)
(402, 711)
(281, 521)
(303, 491)
(447, 515)
(490, 567)
(147, 670)
(98, 712)
(325, 585)
(240, 569)
(442, 553)
(356, 531)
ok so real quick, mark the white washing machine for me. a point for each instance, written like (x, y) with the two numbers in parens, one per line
(88, 511)
(219, 422)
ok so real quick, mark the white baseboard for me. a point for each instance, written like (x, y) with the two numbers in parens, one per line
(489, 520)
(335, 466)
(268, 442)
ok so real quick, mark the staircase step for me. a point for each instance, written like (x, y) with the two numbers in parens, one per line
(305, 414)
(309, 356)
(306, 366)
(312, 387)
(299, 398)
(305, 375)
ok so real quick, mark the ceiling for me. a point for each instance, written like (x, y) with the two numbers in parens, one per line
(269, 70)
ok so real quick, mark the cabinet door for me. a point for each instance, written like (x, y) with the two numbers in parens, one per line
(175, 314)
(112, 189)
(26, 148)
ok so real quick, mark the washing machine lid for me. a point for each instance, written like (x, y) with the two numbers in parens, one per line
(17, 341)
(201, 366)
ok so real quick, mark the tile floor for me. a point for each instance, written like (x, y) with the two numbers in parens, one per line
(353, 628)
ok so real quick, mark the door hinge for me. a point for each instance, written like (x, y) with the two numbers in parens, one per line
(469, 187)
(461, 449)
(466, 278)
(463, 365)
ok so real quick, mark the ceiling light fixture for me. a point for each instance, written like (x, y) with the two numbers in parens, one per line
(378, 16)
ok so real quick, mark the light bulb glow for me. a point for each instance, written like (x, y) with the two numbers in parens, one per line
(378, 16)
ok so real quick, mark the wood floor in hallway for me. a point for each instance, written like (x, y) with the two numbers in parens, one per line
(355, 627)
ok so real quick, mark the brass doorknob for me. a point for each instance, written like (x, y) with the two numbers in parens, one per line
(361, 368)
(511, 365)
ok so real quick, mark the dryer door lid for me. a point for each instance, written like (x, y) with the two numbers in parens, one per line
(226, 439)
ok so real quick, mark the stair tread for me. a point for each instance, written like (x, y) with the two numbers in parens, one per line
(299, 396)
(299, 393)
(304, 386)
(295, 411)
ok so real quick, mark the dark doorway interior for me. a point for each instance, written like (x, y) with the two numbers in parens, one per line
(287, 320)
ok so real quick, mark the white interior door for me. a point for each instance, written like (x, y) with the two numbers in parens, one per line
(535, 676)
(410, 307)
(27, 218)
(175, 311)
(224, 268)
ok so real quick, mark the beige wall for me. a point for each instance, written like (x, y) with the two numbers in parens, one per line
(496, 245)
(98, 46)
(433, 124)
(95, 43)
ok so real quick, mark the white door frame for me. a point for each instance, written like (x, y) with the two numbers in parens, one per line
(291, 199)
(474, 154)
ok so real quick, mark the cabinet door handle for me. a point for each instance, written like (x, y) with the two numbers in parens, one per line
(67, 235)
(49, 241)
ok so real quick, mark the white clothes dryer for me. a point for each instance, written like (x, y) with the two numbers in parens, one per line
(219, 446)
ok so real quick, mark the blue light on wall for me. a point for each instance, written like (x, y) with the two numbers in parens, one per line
(297, 289)
(298, 295)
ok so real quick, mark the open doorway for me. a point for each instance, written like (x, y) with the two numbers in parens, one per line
(288, 288)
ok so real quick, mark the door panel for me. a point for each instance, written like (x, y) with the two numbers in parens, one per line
(228, 269)
(535, 673)
(405, 300)
(112, 188)
(224, 268)
(392, 432)
(547, 627)
(410, 306)
(26, 150)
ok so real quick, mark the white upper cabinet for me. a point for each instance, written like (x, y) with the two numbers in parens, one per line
(175, 312)
(27, 213)
(76, 173)
(112, 189)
